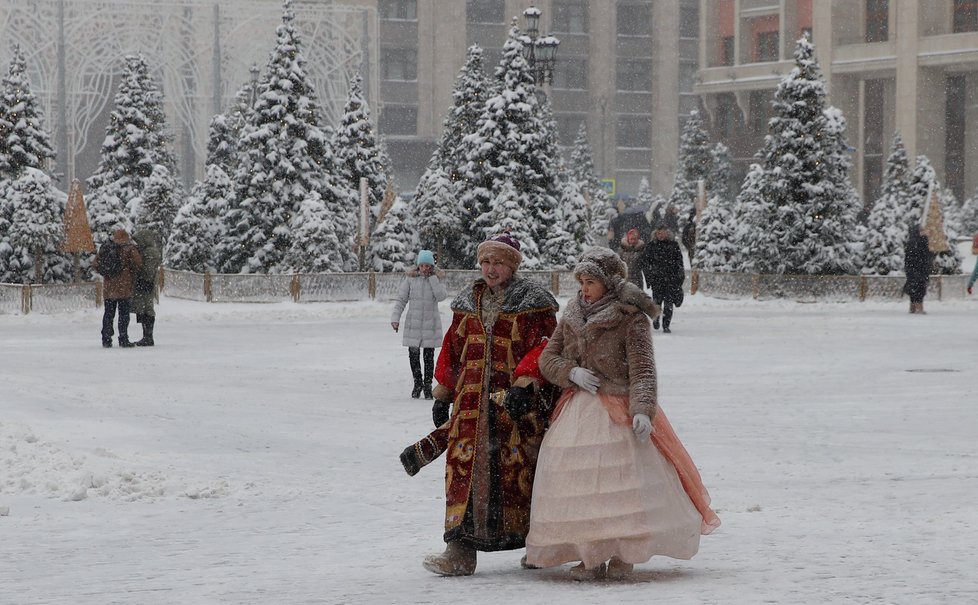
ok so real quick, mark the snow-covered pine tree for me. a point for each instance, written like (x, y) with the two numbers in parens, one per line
(136, 141)
(439, 219)
(358, 152)
(886, 227)
(695, 163)
(508, 213)
(804, 176)
(756, 244)
(715, 247)
(570, 235)
(196, 228)
(949, 261)
(24, 143)
(600, 208)
(314, 247)
(36, 226)
(157, 207)
(923, 178)
(512, 145)
(969, 216)
(284, 160)
(645, 197)
(718, 179)
(222, 136)
(392, 246)
(472, 88)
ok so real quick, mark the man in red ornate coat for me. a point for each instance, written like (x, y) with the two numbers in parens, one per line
(491, 457)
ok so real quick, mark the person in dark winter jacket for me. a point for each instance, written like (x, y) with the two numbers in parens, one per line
(662, 263)
(420, 292)
(144, 284)
(689, 236)
(118, 282)
(917, 261)
(632, 247)
(630, 218)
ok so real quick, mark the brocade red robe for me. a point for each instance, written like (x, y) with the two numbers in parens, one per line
(491, 459)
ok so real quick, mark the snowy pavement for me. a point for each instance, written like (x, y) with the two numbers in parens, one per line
(251, 457)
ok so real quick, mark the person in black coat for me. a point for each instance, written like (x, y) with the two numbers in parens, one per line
(917, 261)
(662, 264)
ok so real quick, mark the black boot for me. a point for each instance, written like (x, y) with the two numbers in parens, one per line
(414, 356)
(429, 370)
(147, 339)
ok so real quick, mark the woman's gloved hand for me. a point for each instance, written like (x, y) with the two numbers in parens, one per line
(586, 379)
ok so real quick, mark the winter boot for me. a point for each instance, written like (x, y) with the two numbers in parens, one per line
(414, 356)
(125, 344)
(429, 370)
(920, 308)
(913, 307)
(457, 560)
(107, 343)
(655, 323)
(582, 574)
(147, 339)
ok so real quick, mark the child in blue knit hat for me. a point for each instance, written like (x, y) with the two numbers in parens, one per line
(420, 292)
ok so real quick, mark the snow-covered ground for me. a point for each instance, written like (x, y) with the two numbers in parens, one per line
(252, 457)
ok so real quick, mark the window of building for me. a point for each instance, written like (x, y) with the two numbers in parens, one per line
(634, 19)
(634, 131)
(571, 73)
(399, 64)
(877, 18)
(406, 10)
(485, 11)
(965, 16)
(634, 75)
(689, 21)
(873, 138)
(759, 105)
(767, 47)
(687, 76)
(570, 17)
(399, 120)
(727, 50)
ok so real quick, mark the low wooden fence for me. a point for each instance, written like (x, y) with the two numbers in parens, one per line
(338, 287)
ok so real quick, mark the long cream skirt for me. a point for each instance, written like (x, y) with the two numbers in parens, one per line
(599, 492)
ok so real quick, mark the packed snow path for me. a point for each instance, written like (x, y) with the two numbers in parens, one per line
(251, 457)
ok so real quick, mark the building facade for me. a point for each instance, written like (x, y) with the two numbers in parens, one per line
(624, 67)
(890, 65)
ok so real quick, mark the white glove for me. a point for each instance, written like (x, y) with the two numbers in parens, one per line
(586, 379)
(642, 425)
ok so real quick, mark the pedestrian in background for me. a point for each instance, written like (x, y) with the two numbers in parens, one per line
(117, 262)
(420, 292)
(149, 245)
(917, 262)
(664, 273)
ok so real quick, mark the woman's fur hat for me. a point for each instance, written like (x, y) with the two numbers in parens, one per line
(603, 264)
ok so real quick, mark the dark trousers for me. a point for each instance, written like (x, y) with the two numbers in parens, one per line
(666, 310)
(111, 304)
(414, 356)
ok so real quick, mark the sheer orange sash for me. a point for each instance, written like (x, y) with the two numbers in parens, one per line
(668, 443)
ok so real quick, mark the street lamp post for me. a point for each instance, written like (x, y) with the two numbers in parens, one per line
(539, 51)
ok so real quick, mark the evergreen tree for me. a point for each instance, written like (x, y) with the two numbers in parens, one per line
(804, 178)
(222, 143)
(136, 142)
(511, 145)
(358, 152)
(157, 207)
(600, 208)
(439, 218)
(196, 228)
(36, 226)
(645, 198)
(24, 144)
(508, 214)
(472, 88)
(392, 246)
(314, 247)
(922, 181)
(716, 249)
(284, 161)
(886, 228)
(756, 244)
(949, 261)
(695, 163)
(969, 216)
(718, 179)
(571, 234)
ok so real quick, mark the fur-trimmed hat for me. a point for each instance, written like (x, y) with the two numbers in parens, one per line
(505, 247)
(603, 264)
